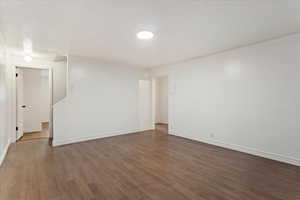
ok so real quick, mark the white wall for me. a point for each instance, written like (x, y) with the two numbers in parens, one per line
(5, 101)
(102, 101)
(36, 98)
(161, 109)
(44, 96)
(246, 99)
(59, 81)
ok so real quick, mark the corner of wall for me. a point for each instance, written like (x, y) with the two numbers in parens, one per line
(6, 105)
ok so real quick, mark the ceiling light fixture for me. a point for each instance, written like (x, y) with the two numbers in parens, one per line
(27, 58)
(145, 35)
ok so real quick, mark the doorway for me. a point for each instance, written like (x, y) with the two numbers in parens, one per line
(33, 103)
(161, 105)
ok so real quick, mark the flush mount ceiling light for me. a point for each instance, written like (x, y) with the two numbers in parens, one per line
(28, 58)
(145, 35)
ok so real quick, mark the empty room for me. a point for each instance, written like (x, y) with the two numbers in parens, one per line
(158, 100)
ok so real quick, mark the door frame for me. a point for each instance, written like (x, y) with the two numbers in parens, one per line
(19, 75)
(50, 71)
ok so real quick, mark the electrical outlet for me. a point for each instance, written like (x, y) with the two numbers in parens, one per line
(212, 135)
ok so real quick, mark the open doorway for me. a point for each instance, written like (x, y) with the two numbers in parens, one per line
(33, 103)
(161, 105)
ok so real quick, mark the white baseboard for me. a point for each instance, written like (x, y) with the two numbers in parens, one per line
(57, 142)
(272, 156)
(2, 156)
(147, 129)
(32, 130)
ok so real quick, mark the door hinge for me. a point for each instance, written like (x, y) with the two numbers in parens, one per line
(16, 74)
(17, 128)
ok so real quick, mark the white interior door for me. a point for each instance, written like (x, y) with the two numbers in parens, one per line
(20, 102)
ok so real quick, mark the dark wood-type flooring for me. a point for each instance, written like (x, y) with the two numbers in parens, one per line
(147, 165)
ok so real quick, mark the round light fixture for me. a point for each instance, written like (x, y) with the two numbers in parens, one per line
(145, 35)
(28, 58)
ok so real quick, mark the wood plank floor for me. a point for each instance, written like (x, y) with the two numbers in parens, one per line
(148, 165)
(37, 135)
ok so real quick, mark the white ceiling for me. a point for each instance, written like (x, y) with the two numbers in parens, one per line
(106, 29)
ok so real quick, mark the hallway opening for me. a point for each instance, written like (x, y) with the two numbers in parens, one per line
(161, 103)
(43, 134)
(33, 103)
